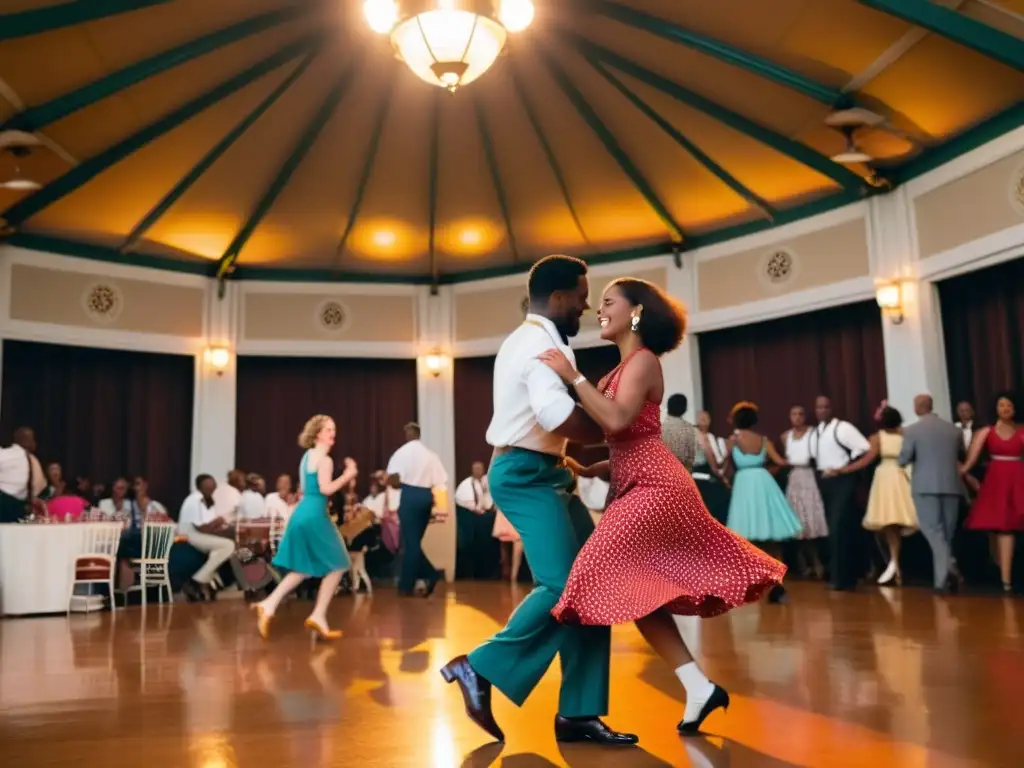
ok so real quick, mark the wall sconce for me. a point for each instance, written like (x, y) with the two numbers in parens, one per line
(217, 358)
(890, 299)
(434, 363)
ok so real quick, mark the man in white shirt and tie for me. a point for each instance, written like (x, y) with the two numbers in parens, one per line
(478, 553)
(834, 444)
(965, 412)
(420, 472)
(534, 416)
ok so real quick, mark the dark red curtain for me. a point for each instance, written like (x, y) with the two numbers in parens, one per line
(104, 413)
(371, 400)
(983, 326)
(836, 352)
(474, 377)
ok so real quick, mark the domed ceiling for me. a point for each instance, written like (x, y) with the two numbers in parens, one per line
(282, 139)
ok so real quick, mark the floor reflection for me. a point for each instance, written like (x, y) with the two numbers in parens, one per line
(883, 678)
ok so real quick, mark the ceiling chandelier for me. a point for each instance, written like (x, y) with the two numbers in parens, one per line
(448, 43)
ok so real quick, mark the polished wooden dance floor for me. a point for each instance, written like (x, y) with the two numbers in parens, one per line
(891, 678)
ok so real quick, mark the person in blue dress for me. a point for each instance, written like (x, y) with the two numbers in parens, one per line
(758, 510)
(312, 547)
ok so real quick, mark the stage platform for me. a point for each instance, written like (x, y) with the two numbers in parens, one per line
(882, 678)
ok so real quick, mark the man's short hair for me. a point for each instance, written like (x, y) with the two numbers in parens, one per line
(677, 405)
(554, 273)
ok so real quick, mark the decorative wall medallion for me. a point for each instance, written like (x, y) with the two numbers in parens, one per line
(332, 315)
(778, 266)
(1017, 190)
(102, 302)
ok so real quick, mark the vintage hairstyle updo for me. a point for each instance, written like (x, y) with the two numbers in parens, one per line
(307, 438)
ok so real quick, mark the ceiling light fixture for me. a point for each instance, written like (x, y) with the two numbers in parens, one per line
(18, 182)
(448, 43)
(852, 153)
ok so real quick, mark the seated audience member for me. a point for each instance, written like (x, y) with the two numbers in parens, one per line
(283, 500)
(55, 485)
(117, 506)
(199, 522)
(141, 509)
(252, 505)
(21, 477)
(228, 497)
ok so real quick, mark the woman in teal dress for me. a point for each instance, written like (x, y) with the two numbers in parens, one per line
(312, 546)
(758, 510)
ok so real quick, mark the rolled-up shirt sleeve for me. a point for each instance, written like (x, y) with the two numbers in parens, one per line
(549, 398)
(852, 439)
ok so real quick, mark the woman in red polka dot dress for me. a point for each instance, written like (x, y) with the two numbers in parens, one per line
(657, 551)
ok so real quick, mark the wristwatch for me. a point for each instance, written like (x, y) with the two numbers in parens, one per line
(580, 378)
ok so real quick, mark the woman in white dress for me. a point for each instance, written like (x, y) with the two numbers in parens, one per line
(802, 490)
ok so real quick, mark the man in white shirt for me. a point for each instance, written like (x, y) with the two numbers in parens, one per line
(965, 412)
(834, 444)
(21, 476)
(420, 472)
(478, 553)
(252, 505)
(228, 497)
(199, 521)
(534, 417)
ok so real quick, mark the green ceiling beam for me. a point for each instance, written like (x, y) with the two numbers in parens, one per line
(39, 20)
(716, 48)
(611, 144)
(957, 27)
(89, 169)
(798, 151)
(370, 159)
(35, 118)
(214, 155)
(284, 174)
(549, 152)
(435, 148)
(492, 164)
(696, 152)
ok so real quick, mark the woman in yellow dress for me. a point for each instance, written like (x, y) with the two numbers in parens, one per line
(890, 504)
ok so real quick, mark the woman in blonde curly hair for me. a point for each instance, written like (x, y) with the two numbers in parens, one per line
(311, 546)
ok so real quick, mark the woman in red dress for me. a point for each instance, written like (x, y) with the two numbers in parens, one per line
(999, 508)
(657, 551)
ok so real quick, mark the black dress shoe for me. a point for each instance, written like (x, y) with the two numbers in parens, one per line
(432, 585)
(590, 729)
(476, 693)
(719, 698)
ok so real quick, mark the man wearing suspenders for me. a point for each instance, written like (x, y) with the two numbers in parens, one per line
(834, 444)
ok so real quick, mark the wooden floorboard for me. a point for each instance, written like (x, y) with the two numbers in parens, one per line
(881, 678)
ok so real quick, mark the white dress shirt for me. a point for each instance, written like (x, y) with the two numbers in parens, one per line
(530, 400)
(967, 432)
(194, 512)
(14, 472)
(835, 443)
(593, 492)
(474, 494)
(227, 501)
(109, 509)
(417, 465)
(252, 506)
(275, 506)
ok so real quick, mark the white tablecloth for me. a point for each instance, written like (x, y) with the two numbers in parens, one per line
(36, 565)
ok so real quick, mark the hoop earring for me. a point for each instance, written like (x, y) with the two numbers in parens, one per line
(634, 323)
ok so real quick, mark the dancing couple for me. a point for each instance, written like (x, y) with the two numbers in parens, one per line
(312, 546)
(657, 552)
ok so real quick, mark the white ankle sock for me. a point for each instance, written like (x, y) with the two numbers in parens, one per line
(698, 689)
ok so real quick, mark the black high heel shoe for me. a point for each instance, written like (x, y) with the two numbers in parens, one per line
(718, 698)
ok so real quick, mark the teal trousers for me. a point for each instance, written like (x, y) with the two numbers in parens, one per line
(532, 490)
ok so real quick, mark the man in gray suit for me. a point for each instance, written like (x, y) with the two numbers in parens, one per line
(934, 447)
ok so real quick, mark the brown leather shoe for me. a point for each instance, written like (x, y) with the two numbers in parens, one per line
(476, 693)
